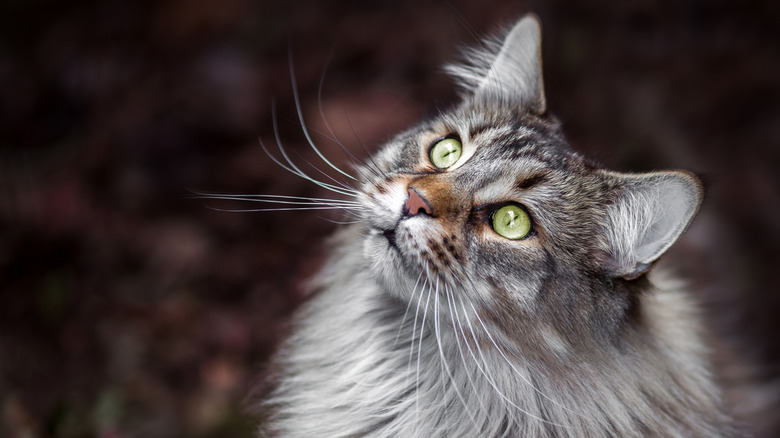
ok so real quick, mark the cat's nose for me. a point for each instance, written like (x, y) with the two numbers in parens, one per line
(416, 204)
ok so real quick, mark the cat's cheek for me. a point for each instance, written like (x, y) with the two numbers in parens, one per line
(509, 272)
(376, 250)
(386, 265)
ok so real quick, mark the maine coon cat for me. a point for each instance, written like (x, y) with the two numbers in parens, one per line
(497, 284)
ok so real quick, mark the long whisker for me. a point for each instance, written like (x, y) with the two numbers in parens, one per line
(338, 182)
(481, 363)
(408, 305)
(477, 361)
(295, 169)
(443, 358)
(354, 159)
(292, 167)
(419, 353)
(299, 173)
(356, 162)
(363, 146)
(199, 194)
(453, 317)
(303, 124)
(509, 362)
(340, 222)
(255, 210)
(519, 374)
(414, 326)
(345, 205)
(490, 380)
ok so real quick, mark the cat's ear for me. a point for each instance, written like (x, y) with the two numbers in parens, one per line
(650, 213)
(509, 70)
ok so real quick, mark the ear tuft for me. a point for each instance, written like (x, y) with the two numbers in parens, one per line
(649, 215)
(508, 71)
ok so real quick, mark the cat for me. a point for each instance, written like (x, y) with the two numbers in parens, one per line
(495, 283)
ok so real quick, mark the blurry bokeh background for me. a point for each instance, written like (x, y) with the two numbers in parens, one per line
(129, 310)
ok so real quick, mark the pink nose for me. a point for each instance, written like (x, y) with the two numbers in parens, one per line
(416, 204)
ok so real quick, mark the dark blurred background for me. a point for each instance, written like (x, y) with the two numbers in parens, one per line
(129, 310)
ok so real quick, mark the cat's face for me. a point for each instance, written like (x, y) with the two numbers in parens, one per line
(486, 212)
(487, 209)
(513, 212)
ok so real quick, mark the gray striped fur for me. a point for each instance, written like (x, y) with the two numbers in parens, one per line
(435, 326)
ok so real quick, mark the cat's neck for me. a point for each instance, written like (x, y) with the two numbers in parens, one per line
(407, 372)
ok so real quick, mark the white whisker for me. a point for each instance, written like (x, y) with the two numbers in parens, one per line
(363, 146)
(303, 124)
(443, 360)
(341, 222)
(408, 305)
(490, 380)
(419, 354)
(517, 372)
(257, 210)
(284, 197)
(453, 318)
(511, 365)
(339, 183)
(354, 159)
(293, 168)
(275, 201)
(414, 326)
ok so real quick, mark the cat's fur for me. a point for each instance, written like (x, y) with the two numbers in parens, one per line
(427, 323)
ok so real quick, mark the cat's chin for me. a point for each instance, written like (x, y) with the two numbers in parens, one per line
(388, 264)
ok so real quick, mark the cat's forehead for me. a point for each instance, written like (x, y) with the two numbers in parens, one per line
(473, 122)
(505, 135)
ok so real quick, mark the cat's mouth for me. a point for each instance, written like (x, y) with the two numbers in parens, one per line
(390, 236)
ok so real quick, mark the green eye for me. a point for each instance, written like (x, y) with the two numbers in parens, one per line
(446, 152)
(511, 221)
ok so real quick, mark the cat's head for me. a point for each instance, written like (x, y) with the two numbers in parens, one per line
(488, 207)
